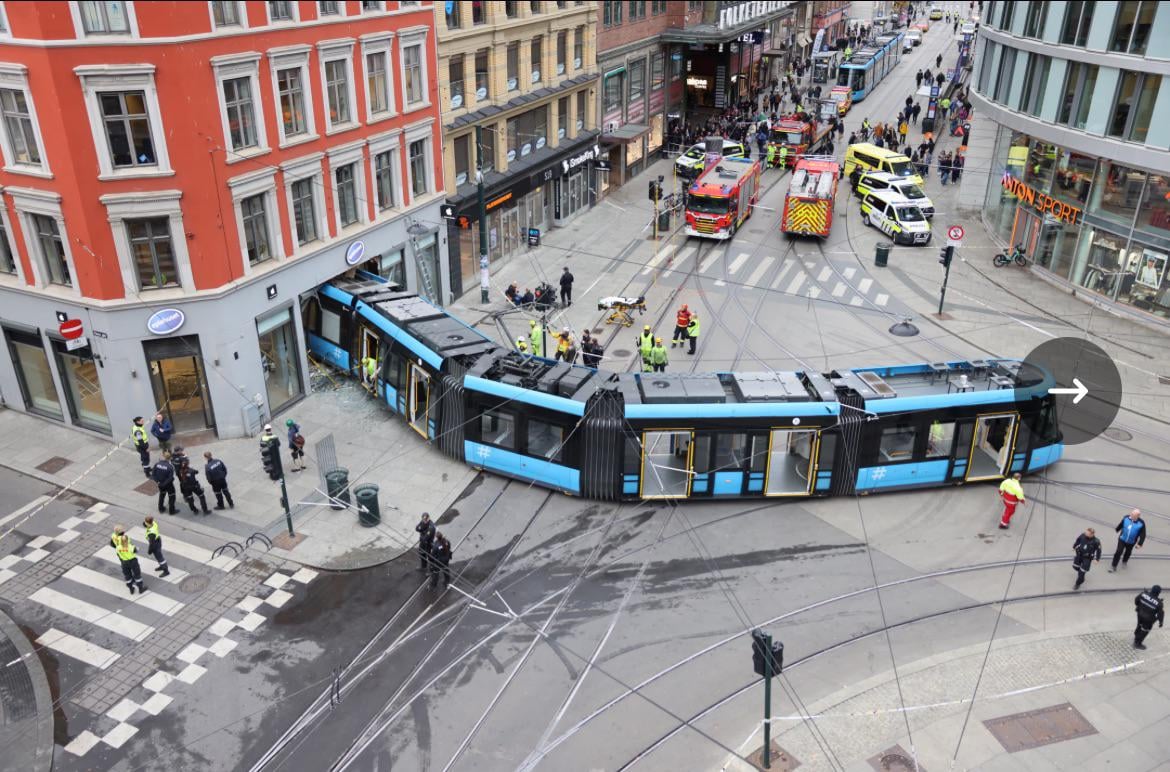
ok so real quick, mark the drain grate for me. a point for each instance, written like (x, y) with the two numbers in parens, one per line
(895, 759)
(54, 464)
(620, 352)
(781, 760)
(1114, 433)
(1036, 728)
(148, 488)
(195, 583)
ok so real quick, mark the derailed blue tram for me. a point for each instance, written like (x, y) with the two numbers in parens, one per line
(631, 436)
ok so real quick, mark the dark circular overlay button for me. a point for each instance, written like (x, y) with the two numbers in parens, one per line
(1085, 382)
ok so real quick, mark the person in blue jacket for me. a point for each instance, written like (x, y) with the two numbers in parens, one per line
(1131, 532)
(162, 431)
(296, 445)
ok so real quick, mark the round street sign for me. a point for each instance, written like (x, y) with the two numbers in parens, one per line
(71, 329)
(955, 233)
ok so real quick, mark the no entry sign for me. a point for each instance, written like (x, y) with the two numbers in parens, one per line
(71, 329)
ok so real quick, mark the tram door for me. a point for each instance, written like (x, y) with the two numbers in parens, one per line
(420, 399)
(991, 446)
(792, 462)
(666, 464)
(367, 349)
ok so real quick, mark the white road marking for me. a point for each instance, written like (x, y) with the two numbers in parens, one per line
(83, 743)
(856, 301)
(26, 508)
(882, 299)
(95, 615)
(814, 292)
(839, 290)
(849, 273)
(81, 650)
(737, 263)
(761, 269)
(864, 285)
(794, 287)
(662, 254)
(825, 273)
(117, 587)
(108, 555)
(679, 259)
(708, 261)
(783, 272)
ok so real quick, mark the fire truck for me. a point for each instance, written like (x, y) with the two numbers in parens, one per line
(801, 136)
(722, 197)
(808, 206)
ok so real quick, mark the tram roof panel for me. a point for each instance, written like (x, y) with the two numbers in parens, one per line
(447, 335)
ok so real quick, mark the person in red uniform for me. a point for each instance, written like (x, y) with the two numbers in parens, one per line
(681, 320)
(1013, 494)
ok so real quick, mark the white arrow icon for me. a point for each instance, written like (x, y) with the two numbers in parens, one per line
(1079, 389)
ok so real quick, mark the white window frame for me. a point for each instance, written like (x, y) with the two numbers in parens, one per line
(5, 30)
(414, 36)
(241, 12)
(30, 201)
(421, 130)
(343, 155)
(15, 77)
(139, 205)
(335, 51)
(379, 43)
(230, 67)
(257, 183)
(342, 11)
(296, 15)
(287, 58)
(387, 141)
(17, 278)
(79, 25)
(304, 168)
(129, 77)
(381, 7)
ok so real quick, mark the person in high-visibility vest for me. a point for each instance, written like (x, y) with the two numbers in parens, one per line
(645, 343)
(369, 370)
(128, 557)
(771, 157)
(535, 338)
(1013, 494)
(141, 439)
(848, 53)
(783, 156)
(154, 545)
(564, 344)
(693, 332)
(522, 345)
(681, 320)
(658, 356)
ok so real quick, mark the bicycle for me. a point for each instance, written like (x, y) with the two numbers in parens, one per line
(1000, 259)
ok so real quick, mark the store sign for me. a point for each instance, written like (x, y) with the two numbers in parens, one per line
(744, 12)
(355, 252)
(1041, 202)
(497, 201)
(165, 321)
(694, 81)
(569, 164)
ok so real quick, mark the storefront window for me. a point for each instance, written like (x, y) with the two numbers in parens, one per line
(391, 266)
(1155, 207)
(654, 140)
(83, 390)
(279, 359)
(1101, 261)
(1073, 177)
(1117, 192)
(32, 370)
(426, 262)
(1040, 163)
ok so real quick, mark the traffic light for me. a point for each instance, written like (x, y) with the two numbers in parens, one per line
(945, 255)
(655, 190)
(270, 458)
(763, 646)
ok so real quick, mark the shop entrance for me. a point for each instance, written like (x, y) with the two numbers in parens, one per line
(179, 382)
(1038, 235)
(510, 222)
(991, 447)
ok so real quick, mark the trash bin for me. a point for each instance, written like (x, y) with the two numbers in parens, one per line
(337, 486)
(366, 496)
(881, 254)
(663, 221)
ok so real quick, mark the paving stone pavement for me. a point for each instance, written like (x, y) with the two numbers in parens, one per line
(46, 570)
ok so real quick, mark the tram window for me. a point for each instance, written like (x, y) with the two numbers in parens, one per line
(898, 442)
(331, 326)
(940, 440)
(545, 440)
(701, 457)
(759, 457)
(730, 451)
(632, 460)
(497, 428)
(392, 370)
(1046, 428)
(827, 450)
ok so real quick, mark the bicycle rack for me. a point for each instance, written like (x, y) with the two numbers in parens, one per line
(258, 536)
(234, 546)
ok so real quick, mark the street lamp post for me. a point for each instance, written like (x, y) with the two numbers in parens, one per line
(484, 277)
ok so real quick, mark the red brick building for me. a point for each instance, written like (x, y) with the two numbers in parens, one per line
(177, 175)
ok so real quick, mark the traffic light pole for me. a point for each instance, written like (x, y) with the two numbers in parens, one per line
(284, 503)
(767, 757)
(484, 264)
(948, 255)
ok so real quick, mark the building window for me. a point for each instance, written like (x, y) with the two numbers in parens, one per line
(1003, 82)
(241, 112)
(562, 50)
(19, 130)
(637, 79)
(611, 12)
(581, 107)
(455, 78)
(1134, 105)
(482, 89)
(1035, 82)
(486, 154)
(281, 10)
(378, 94)
(534, 6)
(613, 92)
(380, 5)
(513, 66)
(225, 13)
(33, 373)
(510, 9)
(477, 11)
(462, 150)
(328, 8)
(1078, 16)
(83, 390)
(290, 88)
(1037, 15)
(658, 7)
(419, 164)
(562, 117)
(104, 18)
(578, 48)
(413, 74)
(127, 127)
(304, 211)
(51, 248)
(347, 200)
(513, 129)
(454, 15)
(1079, 84)
(7, 257)
(254, 217)
(1131, 28)
(537, 54)
(152, 253)
(337, 85)
(657, 70)
(384, 179)
(277, 335)
(637, 9)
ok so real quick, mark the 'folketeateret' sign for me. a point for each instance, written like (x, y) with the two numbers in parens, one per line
(1041, 202)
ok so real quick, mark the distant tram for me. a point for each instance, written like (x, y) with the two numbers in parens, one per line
(866, 68)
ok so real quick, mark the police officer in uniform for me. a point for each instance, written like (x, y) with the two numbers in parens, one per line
(179, 459)
(154, 545)
(216, 472)
(163, 474)
(141, 440)
(190, 488)
(1086, 549)
(426, 540)
(128, 556)
(1149, 610)
(440, 561)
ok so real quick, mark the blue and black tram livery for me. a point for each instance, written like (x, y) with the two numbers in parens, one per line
(633, 436)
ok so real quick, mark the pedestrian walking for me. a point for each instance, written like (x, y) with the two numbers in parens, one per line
(216, 472)
(296, 445)
(163, 474)
(914, 111)
(1086, 549)
(918, 79)
(938, 61)
(426, 539)
(957, 164)
(162, 431)
(944, 167)
(141, 441)
(1149, 610)
(681, 320)
(1012, 494)
(693, 332)
(154, 545)
(440, 561)
(191, 489)
(1131, 534)
(658, 359)
(903, 130)
(566, 287)
(128, 557)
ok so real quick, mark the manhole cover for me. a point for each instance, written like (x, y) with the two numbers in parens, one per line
(1035, 728)
(148, 488)
(195, 583)
(54, 464)
(621, 352)
(895, 759)
(1114, 433)
(598, 330)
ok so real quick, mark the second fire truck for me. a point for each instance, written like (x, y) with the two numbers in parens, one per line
(808, 206)
(805, 136)
(722, 197)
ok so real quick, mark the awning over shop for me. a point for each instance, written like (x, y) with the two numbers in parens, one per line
(626, 133)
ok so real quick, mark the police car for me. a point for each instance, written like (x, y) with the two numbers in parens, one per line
(692, 162)
(870, 182)
(896, 216)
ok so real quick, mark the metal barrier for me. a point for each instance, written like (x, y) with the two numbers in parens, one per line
(236, 548)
